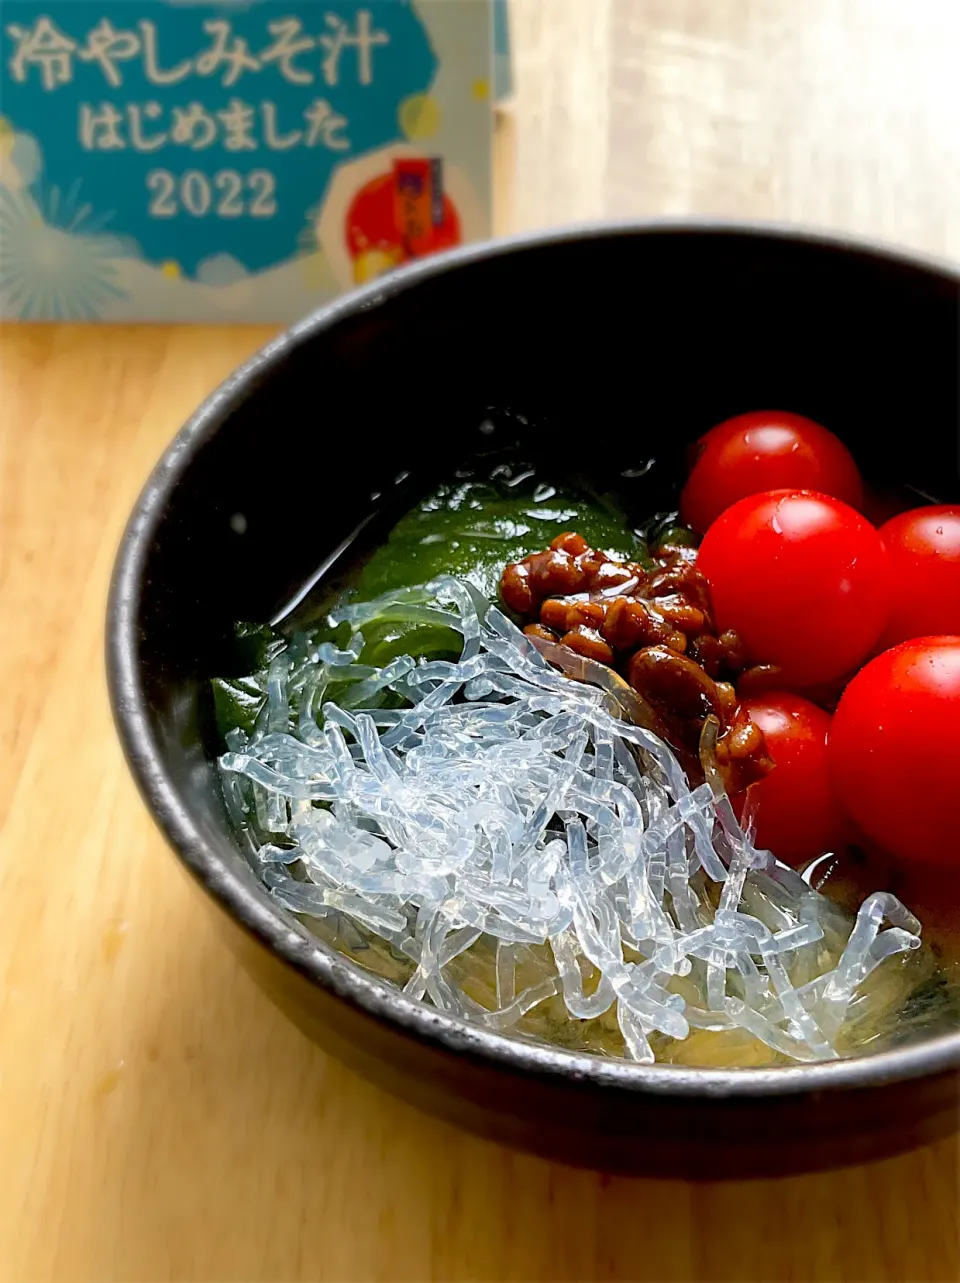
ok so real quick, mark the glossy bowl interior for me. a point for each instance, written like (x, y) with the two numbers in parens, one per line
(607, 347)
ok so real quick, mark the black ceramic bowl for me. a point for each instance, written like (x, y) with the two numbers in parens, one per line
(625, 342)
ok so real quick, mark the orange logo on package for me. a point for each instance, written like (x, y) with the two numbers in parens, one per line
(400, 215)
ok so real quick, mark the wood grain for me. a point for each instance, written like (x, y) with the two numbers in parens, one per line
(158, 1120)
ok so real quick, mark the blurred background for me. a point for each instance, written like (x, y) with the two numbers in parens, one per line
(839, 113)
(158, 1119)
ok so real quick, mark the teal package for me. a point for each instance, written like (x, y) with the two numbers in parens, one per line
(176, 160)
(502, 52)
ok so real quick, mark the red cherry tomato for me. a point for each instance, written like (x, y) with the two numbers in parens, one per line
(766, 450)
(796, 812)
(894, 750)
(924, 550)
(803, 580)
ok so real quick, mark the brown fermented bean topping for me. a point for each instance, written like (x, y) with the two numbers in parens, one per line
(758, 680)
(678, 612)
(587, 641)
(634, 623)
(678, 575)
(745, 739)
(554, 612)
(655, 627)
(707, 650)
(728, 700)
(625, 625)
(570, 542)
(611, 575)
(553, 573)
(538, 630)
(665, 677)
(734, 653)
(742, 754)
(515, 589)
(589, 613)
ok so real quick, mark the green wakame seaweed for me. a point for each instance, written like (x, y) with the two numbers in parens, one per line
(468, 528)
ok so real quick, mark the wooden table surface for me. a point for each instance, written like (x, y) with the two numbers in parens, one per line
(158, 1119)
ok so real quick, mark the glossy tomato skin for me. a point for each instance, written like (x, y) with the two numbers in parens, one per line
(803, 578)
(766, 450)
(894, 750)
(924, 550)
(797, 814)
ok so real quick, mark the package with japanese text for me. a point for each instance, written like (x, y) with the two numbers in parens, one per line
(244, 160)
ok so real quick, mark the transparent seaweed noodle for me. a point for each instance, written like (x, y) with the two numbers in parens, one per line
(505, 843)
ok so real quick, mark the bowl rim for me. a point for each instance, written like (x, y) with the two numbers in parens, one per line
(279, 931)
